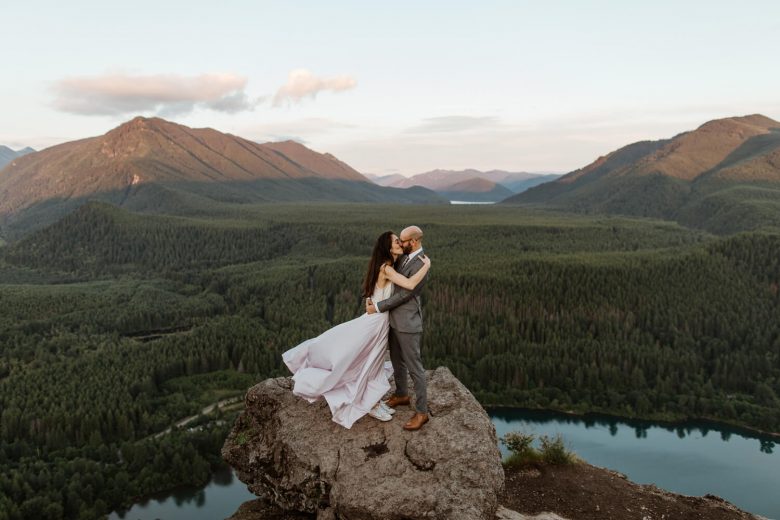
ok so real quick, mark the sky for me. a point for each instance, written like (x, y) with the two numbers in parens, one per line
(392, 87)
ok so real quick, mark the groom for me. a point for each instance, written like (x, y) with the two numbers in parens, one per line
(406, 330)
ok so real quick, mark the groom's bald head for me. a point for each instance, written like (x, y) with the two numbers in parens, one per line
(411, 232)
(411, 239)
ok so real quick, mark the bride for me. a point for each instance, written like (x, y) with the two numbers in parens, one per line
(345, 364)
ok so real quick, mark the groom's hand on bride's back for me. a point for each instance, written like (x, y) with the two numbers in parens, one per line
(370, 309)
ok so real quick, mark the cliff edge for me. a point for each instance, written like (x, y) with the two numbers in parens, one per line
(291, 454)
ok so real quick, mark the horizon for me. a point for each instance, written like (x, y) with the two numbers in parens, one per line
(506, 85)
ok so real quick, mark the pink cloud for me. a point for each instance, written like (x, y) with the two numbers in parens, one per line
(301, 83)
(116, 94)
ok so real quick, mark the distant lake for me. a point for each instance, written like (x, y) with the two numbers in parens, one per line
(692, 458)
(460, 202)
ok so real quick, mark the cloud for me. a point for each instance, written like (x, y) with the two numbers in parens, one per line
(301, 83)
(447, 124)
(117, 94)
(233, 103)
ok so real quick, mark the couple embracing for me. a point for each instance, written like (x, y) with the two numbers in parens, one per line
(345, 364)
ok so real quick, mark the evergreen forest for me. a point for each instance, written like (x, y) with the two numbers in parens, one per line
(114, 326)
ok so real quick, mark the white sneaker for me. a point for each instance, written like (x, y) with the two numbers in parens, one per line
(386, 408)
(378, 413)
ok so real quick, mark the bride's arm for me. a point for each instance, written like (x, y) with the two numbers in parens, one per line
(411, 282)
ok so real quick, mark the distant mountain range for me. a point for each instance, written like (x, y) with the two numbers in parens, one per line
(7, 154)
(468, 185)
(724, 176)
(153, 165)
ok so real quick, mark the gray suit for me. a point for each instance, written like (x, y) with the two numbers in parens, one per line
(406, 328)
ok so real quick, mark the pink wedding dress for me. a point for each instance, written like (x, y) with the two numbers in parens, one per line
(345, 364)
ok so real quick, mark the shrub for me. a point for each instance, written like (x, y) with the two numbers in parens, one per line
(518, 442)
(554, 451)
(522, 453)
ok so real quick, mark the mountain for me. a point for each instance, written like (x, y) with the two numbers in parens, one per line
(468, 185)
(476, 190)
(519, 186)
(7, 154)
(158, 166)
(385, 180)
(443, 179)
(724, 177)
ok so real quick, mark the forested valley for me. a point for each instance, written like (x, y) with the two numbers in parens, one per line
(113, 326)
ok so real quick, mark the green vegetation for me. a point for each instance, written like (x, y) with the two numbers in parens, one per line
(522, 452)
(114, 326)
(733, 208)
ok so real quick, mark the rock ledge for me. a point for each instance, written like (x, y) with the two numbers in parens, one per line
(293, 456)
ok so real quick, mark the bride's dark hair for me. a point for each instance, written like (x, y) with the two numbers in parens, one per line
(380, 256)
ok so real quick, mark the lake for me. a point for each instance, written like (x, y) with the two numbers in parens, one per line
(218, 499)
(692, 458)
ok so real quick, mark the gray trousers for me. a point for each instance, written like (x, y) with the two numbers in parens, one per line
(405, 356)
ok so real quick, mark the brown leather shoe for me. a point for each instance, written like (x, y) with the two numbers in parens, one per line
(396, 400)
(416, 422)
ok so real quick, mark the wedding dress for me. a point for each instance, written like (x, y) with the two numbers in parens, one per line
(345, 364)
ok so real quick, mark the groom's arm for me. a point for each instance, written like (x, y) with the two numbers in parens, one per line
(403, 295)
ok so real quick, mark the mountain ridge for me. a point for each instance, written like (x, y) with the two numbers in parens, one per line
(150, 164)
(469, 184)
(440, 179)
(673, 178)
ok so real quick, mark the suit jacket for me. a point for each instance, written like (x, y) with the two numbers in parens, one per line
(404, 306)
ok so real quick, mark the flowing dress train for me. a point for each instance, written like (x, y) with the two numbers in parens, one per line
(345, 364)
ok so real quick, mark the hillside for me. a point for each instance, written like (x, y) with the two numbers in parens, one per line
(724, 176)
(585, 492)
(158, 166)
(519, 186)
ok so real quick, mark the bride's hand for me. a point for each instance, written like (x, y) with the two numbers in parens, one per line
(426, 260)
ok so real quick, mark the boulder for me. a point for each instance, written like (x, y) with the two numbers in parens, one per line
(292, 455)
(507, 514)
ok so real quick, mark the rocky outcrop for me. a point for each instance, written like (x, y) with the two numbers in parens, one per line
(261, 509)
(292, 455)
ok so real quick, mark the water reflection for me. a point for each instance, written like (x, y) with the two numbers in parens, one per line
(223, 478)
(734, 463)
(698, 428)
(218, 499)
(767, 446)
